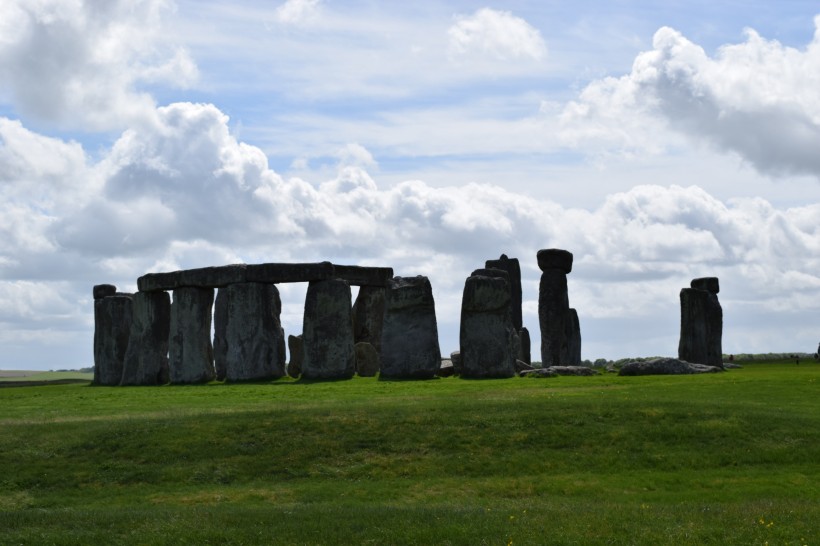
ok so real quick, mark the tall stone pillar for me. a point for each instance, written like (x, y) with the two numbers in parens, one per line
(146, 359)
(573, 356)
(513, 269)
(488, 339)
(410, 348)
(327, 332)
(112, 328)
(553, 306)
(368, 316)
(191, 355)
(701, 326)
(249, 341)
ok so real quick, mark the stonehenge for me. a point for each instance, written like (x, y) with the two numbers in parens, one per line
(701, 323)
(191, 354)
(560, 330)
(327, 333)
(112, 328)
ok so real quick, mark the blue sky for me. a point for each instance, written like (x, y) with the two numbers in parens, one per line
(658, 142)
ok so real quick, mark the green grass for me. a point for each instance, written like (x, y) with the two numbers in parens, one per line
(16, 376)
(729, 458)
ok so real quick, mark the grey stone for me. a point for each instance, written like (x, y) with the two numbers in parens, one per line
(521, 366)
(146, 359)
(538, 372)
(363, 276)
(573, 356)
(513, 269)
(410, 347)
(488, 340)
(710, 284)
(368, 316)
(553, 312)
(296, 349)
(212, 277)
(701, 329)
(446, 369)
(367, 359)
(491, 272)
(156, 282)
(249, 343)
(555, 258)
(104, 290)
(573, 370)
(327, 331)
(112, 328)
(279, 273)
(190, 353)
(524, 346)
(455, 357)
(665, 366)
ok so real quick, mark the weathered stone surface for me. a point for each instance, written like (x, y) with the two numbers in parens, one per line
(555, 258)
(491, 272)
(190, 353)
(488, 340)
(573, 333)
(521, 366)
(455, 357)
(553, 312)
(146, 359)
(573, 370)
(327, 331)
(104, 290)
(212, 277)
(710, 284)
(368, 316)
(112, 328)
(538, 372)
(296, 349)
(666, 366)
(248, 340)
(155, 282)
(446, 369)
(367, 359)
(524, 346)
(410, 346)
(701, 330)
(298, 272)
(363, 276)
(513, 269)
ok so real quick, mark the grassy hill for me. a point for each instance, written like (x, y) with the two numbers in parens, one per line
(726, 458)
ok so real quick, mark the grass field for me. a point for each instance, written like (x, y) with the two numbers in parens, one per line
(730, 458)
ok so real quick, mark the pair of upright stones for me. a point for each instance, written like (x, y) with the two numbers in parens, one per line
(560, 329)
(491, 336)
(701, 323)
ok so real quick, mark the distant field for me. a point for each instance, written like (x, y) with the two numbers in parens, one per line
(20, 375)
(727, 458)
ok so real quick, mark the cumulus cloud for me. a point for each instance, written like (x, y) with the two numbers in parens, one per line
(755, 99)
(497, 34)
(295, 12)
(82, 63)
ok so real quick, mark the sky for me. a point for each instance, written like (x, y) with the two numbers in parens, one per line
(656, 141)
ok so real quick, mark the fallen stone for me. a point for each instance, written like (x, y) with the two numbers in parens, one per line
(446, 369)
(146, 359)
(554, 258)
(295, 348)
(410, 348)
(327, 331)
(190, 353)
(112, 328)
(367, 359)
(538, 372)
(573, 370)
(665, 366)
(521, 366)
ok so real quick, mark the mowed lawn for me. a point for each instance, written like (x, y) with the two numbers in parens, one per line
(731, 458)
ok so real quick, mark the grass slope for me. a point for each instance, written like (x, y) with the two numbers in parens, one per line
(713, 459)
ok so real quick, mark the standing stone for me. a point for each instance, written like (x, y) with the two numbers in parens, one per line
(368, 316)
(701, 330)
(146, 359)
(191, 355)
(513, 269)
(327, 331)
(488, 338)
(455, 358)
(410, 348)
(296, 350)
(367, 359)
(573, 356)
(249, 342)
(524, 346)
(553, 306)
(112, 328)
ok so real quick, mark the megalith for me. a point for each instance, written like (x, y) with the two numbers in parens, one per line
(190, 353)
(368, 316)
(327, 332)
(410, 348)
(487, 338)
(296, 350)
(146, 359)
(112, 328)
(513, 269)
(560, 332)
(524, 346)
(367, 359)
(701, 326)
(249, 342)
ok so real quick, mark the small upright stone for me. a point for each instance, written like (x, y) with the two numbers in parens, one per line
(367, 359)
(248, 340)
(191, 355)
(525, 346)
(573, 356)
(488, 340)
(296, 356)
(146, 359)
(410, 348)
(327, 331)
(112, 328)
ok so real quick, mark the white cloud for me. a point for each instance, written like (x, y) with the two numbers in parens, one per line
(755, 99)
(296, 12)
(497, 34)
(82, 63)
